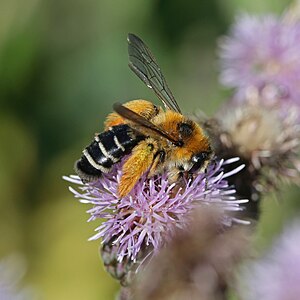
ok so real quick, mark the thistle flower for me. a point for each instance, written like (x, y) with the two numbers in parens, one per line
(148, 216)
(276, 275)
(261, 57)
(266, 138)
(198, 263)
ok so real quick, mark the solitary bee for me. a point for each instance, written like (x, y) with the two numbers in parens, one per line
(155, 140)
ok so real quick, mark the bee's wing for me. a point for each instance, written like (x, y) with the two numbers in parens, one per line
(143, 64)
(138, 119)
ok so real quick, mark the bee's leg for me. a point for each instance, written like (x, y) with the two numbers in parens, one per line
(137, 164)
(159, 158)
(190, 176)
(206, 182)
(176, 175)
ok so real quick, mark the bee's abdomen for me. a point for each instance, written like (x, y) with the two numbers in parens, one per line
(107, 149)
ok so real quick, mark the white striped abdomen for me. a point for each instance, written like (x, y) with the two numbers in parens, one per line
(107, 148)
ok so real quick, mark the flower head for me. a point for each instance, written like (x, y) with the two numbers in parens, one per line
(149, 214)
(266, 138)
(261, 56)
(276, 275)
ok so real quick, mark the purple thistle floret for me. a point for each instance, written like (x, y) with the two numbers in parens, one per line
(261, 56)
(151, 212)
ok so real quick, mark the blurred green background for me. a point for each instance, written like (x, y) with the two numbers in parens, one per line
(62, 65)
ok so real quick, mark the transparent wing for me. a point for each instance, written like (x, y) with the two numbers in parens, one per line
(143, 64)
(138, 119)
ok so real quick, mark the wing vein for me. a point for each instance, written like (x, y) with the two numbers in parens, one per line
(143, 63)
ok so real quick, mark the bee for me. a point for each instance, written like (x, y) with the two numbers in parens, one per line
(156, 140)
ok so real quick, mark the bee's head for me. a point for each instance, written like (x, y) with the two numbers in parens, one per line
(200, 160)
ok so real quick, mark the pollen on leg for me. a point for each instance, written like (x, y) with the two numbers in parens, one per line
(137, 164)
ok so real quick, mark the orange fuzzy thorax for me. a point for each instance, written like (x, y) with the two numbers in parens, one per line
(194, 143)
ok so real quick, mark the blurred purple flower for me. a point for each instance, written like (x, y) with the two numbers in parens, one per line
(150, 213)
(12, 270)
(261, 57)
(277, 275)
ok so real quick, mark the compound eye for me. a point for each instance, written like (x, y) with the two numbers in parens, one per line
(185, 129)
(198, 160)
